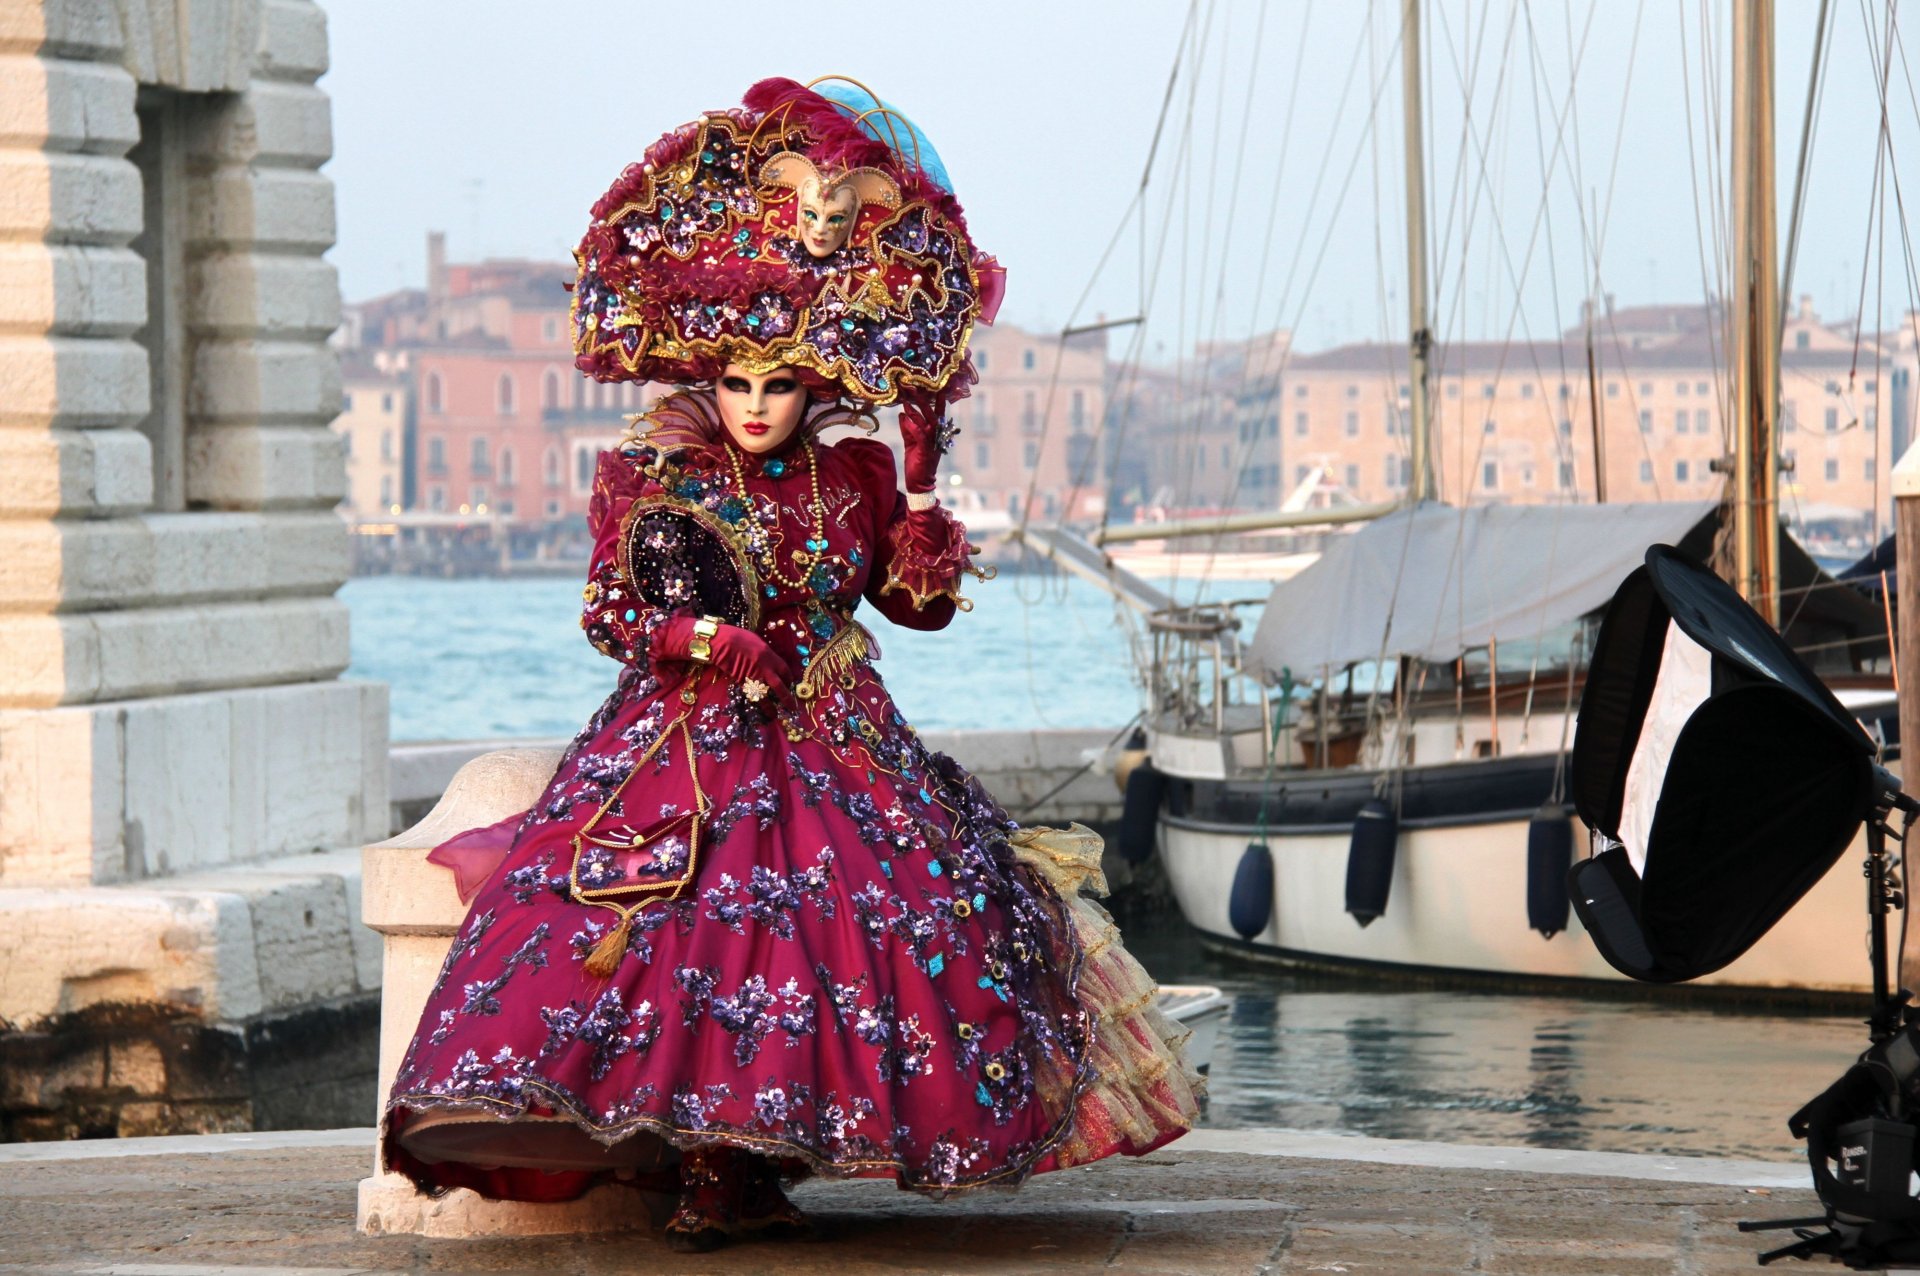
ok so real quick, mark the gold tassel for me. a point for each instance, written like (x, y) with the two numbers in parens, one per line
(606, 955)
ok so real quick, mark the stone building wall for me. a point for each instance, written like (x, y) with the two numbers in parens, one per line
(184, 780)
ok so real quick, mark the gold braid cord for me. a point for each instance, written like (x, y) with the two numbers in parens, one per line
(606, 955)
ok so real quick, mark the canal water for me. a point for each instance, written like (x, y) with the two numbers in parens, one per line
(484, 658)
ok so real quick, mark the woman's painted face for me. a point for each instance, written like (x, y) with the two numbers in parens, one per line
(760, 410)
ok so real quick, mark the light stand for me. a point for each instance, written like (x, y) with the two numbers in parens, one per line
(1872, 1217)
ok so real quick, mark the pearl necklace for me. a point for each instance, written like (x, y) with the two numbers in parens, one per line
(816, 549)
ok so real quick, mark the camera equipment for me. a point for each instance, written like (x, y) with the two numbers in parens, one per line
(1722, 779)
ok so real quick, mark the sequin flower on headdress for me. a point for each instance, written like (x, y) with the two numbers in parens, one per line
(812, 227)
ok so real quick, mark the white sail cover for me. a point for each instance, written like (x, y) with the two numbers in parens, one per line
(1435, 580)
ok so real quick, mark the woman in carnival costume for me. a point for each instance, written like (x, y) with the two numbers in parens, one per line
(754, 929)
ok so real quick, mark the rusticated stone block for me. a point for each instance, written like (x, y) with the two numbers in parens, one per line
(44, 473)
(60, 105)
(242, 295)
(270, 209)
(69, 198)
(288, 467)
(71, 381)
(71, 290)
(274, 124)
(255, 381)
(293, 41)
(61, 28)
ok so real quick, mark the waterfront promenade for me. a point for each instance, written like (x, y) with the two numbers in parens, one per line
(1246, 1201)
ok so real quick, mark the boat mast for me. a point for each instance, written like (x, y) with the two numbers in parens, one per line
(1755, 315)
(1419, 335)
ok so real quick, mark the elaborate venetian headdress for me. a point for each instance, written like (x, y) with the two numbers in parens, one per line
(813, 227)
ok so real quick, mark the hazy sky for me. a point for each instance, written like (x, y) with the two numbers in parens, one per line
(1273, 200)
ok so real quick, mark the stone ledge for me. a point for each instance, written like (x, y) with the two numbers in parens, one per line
(277, 209)
(244, 295)
(221, 946)
(252, 380)
(268, 468)
(71, 382)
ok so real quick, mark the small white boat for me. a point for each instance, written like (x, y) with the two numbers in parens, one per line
(1201, 1009)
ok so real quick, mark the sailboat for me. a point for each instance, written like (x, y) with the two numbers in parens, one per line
(1376, 777)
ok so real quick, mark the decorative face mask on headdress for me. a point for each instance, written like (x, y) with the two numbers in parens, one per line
(815, 230)
(826, 204)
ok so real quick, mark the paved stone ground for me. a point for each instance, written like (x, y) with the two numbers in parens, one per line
(290, 1210)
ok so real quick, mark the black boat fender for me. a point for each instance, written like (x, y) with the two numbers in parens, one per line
(1140, 812)
(1376, 833)
(1250, 903)
(1549, 856)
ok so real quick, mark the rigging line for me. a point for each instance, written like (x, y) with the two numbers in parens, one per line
(1822, 25)
(1906, 238)
(1563, 446)
(1466, 79)
(1285, 357)
(1620, 133)
(1136, 204)
(1220, 286)
(1877, 193)
(1714, 352)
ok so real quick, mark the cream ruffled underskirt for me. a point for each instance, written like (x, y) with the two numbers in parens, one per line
(1145, 1091)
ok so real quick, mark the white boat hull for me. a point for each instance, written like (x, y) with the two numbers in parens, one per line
(1458, 905)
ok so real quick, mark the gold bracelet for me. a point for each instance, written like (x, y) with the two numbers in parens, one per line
(704, 631)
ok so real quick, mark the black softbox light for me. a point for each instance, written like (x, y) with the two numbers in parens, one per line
(1723, 776)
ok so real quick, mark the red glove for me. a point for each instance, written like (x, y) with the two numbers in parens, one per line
(920, 429)
(739, 654)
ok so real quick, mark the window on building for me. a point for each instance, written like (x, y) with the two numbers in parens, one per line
(479, 456)
(1488, 427)
(1646, 420)
(553, 509)
(386, 402)
(1646, 389)
(550, 465)
(1702, 421)
(1833, 420)
(1866, 470)
(1226, 457)
(550, 328)
(1353, 425)
(346, 443)
(1526, 475)
(1200, 459)
(1699, 387)
(1300, 473)
(1680, 471)
(1273, 426)
(550, 390)
(436, 498)
(1680, 388)
(1299, 424)
(1613, 389)
(505, 394)
(583, 468)
(1026, 359)
(478, 497)
(386, 491)
(1030, 454)
(1526, 389)
(1393, 471)
(1833, 469)
(982, 455)
(1566, 474)
(980, 360)
(1799, 341)
(1490, 475)
(1353, 392)
(1646, 471)
(1566, 391)
(1029, 413)
(346, 401)
(1566, 426)
(1078, 412)
(1486, 391)
(1300, 391)
(1453, 389)
(506, 467)
(386, 445)
(437, 454)
(1680, 421)
(435, 393)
